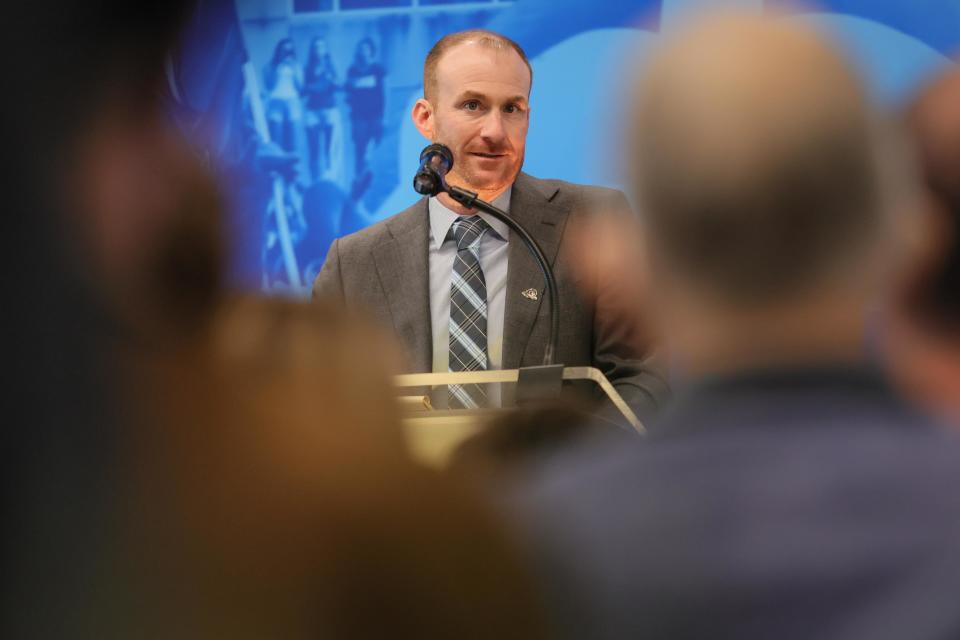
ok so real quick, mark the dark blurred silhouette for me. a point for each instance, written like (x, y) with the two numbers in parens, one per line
(61, 431)
(787, 493)
(926, 340)
(934, 119)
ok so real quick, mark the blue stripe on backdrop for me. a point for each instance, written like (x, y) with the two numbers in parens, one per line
(310, 147)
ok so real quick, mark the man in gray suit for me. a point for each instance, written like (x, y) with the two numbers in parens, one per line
(787, 492)
(407, 269)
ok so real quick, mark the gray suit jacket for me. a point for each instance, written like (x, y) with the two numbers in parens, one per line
(384, 269)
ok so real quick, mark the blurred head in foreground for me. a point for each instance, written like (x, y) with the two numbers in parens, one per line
(787, 491)
(757, 165)
(148, 214)
(926, 352)
(277, 486)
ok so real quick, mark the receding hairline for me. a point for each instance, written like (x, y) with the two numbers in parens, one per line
(480, 37)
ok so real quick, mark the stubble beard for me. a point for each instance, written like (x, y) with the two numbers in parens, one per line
(463, 177)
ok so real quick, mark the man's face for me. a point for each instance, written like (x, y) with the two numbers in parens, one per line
(481, 112)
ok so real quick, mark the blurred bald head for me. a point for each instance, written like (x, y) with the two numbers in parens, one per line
(754, 161)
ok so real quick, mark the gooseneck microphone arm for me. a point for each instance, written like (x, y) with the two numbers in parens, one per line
(470, 200)
(435, 161)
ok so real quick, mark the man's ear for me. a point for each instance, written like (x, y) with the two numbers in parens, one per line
(422, 115)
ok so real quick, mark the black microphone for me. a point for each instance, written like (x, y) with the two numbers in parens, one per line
(435, 161)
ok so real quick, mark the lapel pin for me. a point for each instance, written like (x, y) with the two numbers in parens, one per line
(529, 294)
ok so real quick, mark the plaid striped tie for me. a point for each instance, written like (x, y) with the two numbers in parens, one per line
(468, 313)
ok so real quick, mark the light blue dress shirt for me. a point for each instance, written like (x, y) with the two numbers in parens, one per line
(493, 261)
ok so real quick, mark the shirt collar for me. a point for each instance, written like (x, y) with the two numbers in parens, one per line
(442, 218)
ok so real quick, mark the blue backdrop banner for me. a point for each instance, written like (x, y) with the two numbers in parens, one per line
(302, 107)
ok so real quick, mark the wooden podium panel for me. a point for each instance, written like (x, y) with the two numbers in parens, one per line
(432, 435)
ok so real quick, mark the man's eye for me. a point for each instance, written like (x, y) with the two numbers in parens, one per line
(511, 108)
(472, 105)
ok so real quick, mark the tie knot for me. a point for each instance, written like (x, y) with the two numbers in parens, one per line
(468, 231)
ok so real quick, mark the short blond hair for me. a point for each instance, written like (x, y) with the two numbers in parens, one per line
(482, 37)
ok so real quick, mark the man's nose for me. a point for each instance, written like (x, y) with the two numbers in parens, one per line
(493, 130)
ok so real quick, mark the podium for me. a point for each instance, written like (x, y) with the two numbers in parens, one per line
(433, 433)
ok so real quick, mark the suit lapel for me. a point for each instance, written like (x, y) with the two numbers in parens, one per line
(531, 204)
(403, 268)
